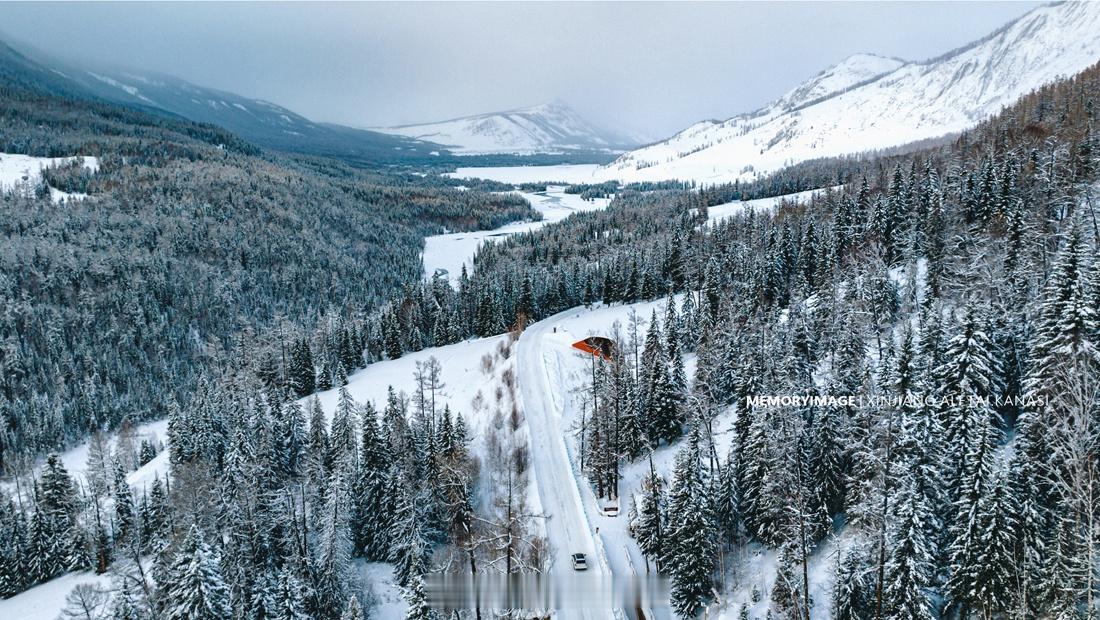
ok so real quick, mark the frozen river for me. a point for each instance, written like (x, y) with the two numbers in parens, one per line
(449, 252)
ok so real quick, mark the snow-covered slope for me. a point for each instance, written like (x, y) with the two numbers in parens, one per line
(260, 122)
(868, 102)
(852, 71)
(548, 128)
(447, 253)
(24, 172)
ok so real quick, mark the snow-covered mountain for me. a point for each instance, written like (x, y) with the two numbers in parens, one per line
(869, 102)
(261, 122)
(548, 128)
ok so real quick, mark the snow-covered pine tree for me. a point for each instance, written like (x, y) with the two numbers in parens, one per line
(353, 611)
(408, 548)
(650, 527)
(677, 376)
(331, 578)
(342, 442)
(124, 506)
(652, 351)
(786, 596)
(689, 323)
(194, 588)
(56, 539)
(827, 463)
(418, 601)
(97, 470)
(13, 549)
(290, 437)
(370, 517)
(318, 464)
(972, 504)
(852, 590)
(325, 374)
(302, 373)
(969, 380)
(727, 500)
(907, 591)
(1032, 513)
(290, 597)
(124, 604)
(691, 550)
(996, 558)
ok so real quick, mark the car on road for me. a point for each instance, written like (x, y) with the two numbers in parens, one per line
(580, 562)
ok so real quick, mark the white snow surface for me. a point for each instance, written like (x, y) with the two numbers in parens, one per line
(463, 377)
(45, 601)
(548, 128)
(385, 595)
(451, 251)
(23, 172)
(562, 173)
(720, 212)
(868, 102)
(75, 460)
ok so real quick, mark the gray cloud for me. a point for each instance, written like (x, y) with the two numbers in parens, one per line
(650, 67)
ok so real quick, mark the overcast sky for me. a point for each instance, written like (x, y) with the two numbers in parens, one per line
(652, 68)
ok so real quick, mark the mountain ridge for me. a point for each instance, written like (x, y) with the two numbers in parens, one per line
(261, 122)
(549, 127)
(912, 102)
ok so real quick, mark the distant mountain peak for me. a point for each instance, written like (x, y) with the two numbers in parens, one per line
(853, 71)
(549, 127)
(868, 102)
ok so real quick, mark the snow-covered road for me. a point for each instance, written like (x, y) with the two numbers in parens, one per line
(550, 373)
(566, 525)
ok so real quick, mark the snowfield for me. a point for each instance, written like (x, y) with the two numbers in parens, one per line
(23, 172)
(45, 601)
(727, 210)
(449, 252)
(564, 173)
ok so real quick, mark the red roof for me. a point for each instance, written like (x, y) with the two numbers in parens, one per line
(596, 345)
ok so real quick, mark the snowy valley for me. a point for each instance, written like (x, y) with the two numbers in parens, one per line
(834, 359)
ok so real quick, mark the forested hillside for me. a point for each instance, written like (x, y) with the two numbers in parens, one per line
(952, 293)
(190, 242)
(944, 303)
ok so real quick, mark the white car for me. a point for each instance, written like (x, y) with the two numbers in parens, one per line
(579, 562)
